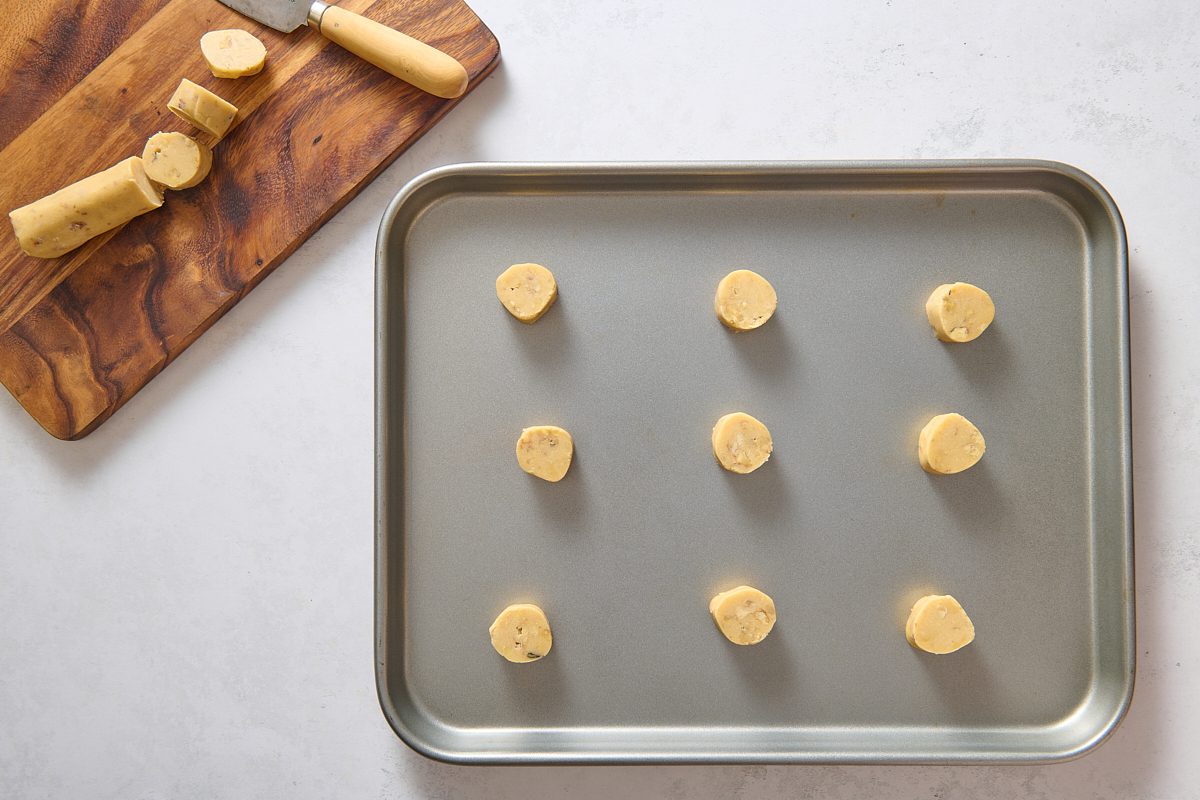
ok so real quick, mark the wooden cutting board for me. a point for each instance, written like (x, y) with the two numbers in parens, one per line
(83, 84)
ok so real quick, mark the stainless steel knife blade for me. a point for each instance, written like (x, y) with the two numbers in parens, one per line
(282, 15)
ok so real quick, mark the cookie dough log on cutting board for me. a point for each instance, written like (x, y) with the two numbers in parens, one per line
(60, 222)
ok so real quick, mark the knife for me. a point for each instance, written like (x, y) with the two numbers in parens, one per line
(417, 63)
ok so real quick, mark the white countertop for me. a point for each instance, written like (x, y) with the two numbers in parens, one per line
(186, 594)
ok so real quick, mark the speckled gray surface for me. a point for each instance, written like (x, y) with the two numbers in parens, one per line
(186, 597)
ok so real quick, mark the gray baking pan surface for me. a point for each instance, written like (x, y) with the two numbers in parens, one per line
(841, 527)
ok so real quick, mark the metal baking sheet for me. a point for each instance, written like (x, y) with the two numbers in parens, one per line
(842, 527)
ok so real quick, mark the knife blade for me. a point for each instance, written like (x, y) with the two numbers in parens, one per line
(411, 60)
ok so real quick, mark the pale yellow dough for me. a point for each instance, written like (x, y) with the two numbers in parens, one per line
(741, 443)
(176, 160)
(527, 291)
(545, 451)
(744, 614)
(949, 443)
(937, 624)
(233, 53)
(745, 300)
(959, 312)
(521, 633)
(60, 222)
(202, 108)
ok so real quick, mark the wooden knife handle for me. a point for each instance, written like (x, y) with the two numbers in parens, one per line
(409, 60)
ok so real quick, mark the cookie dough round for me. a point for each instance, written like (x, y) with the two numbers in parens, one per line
(959, 312)
(745, 300)
(545, 451)
(745, 615)
(176, 160)
(521, 633)
(741, 443)
(212, 114)
(233, 53)
(527, 291)
(949, 443)
(937, 624)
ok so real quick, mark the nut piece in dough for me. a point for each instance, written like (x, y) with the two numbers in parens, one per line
(741, 443)
(745, 300)
(545, 451)
(959, 312)
(937, 624)
(527, 291)
(949, 443)
(202, 108)
(745, 615)
(176, 160)
(233, 53)
(521, 633)
(60, 222)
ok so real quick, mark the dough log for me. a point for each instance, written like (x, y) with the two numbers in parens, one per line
(60, 222)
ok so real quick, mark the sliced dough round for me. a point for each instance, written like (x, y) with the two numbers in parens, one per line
(527, 291)
(937, 624)
(176, 160)
(949, 443)
(521, 633)
(741, 443)
(959, 312)
(745, 300)
(545, 451)
(233, 53)
(208, 112)
(744, 614)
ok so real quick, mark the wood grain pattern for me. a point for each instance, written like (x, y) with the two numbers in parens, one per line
(314, 128)
(46, 47)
